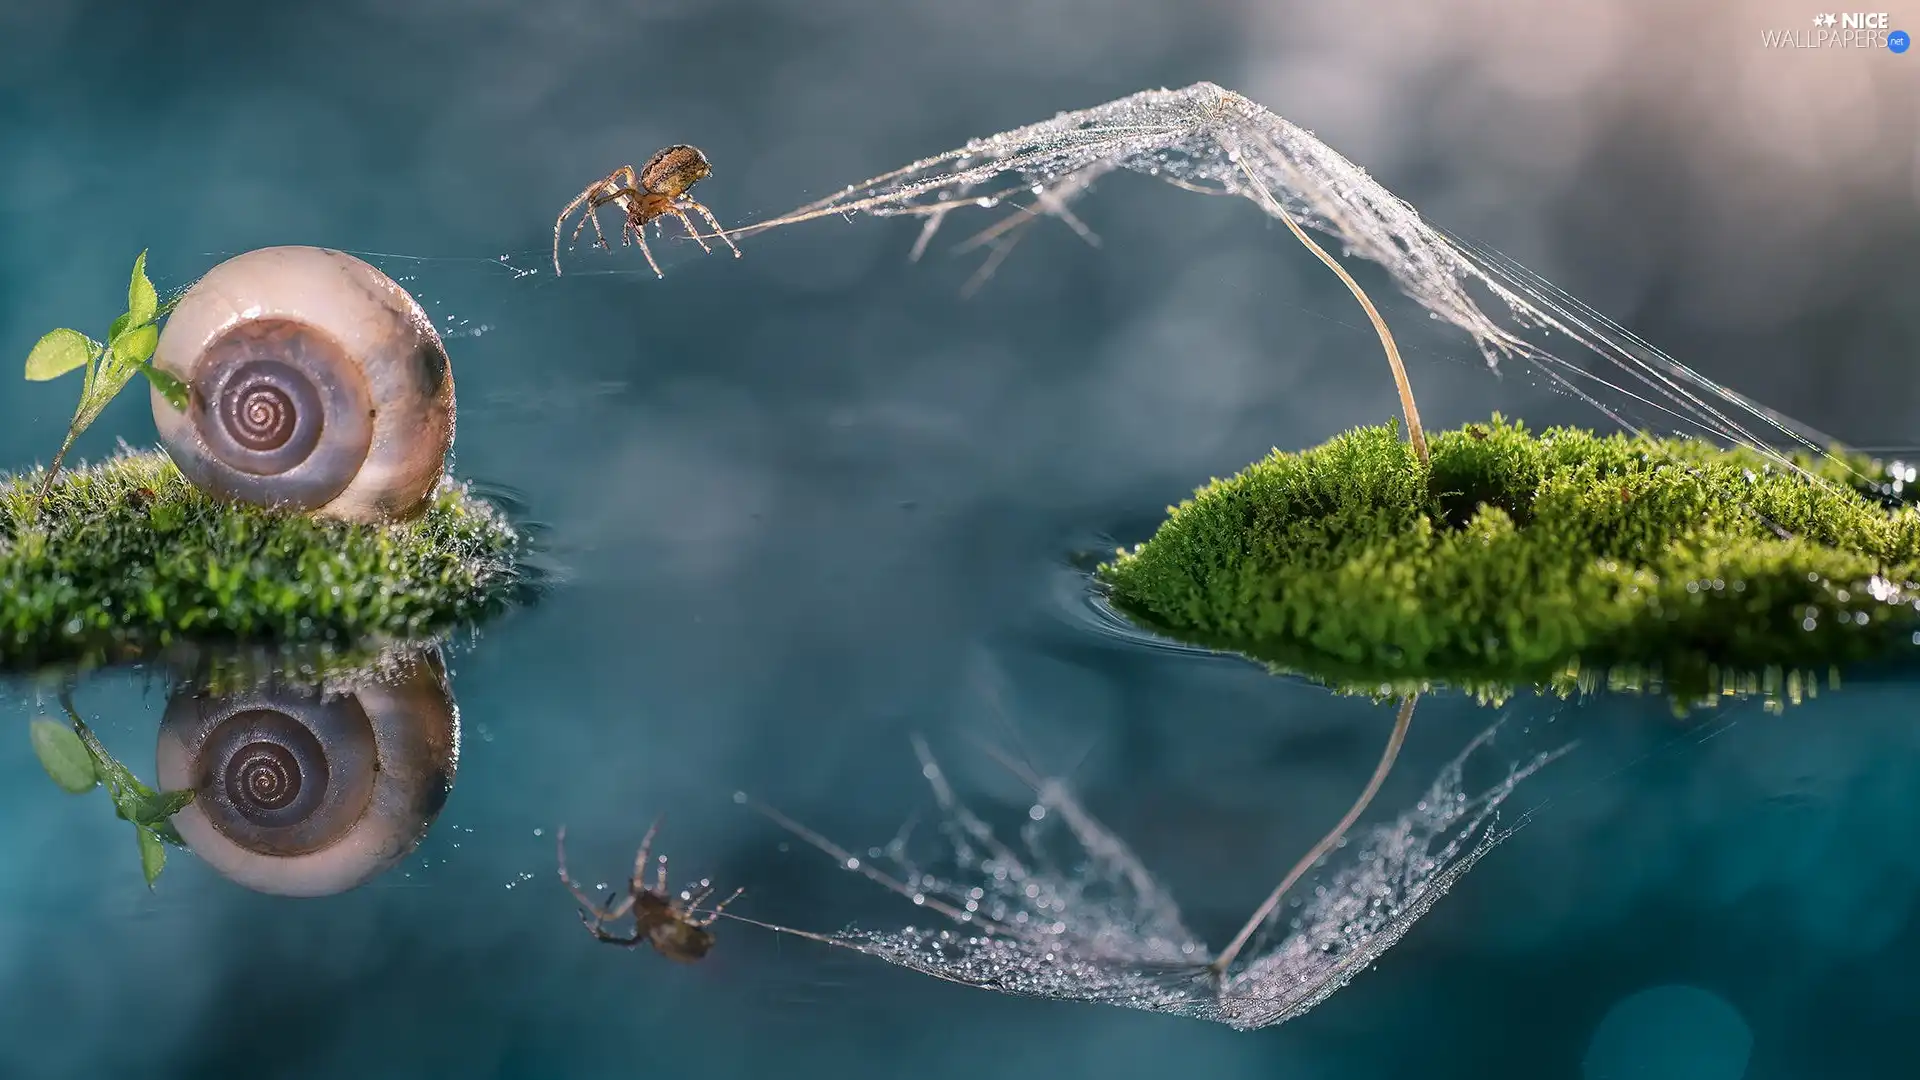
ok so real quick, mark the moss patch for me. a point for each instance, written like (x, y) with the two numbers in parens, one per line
(128, 559)
(1543, 560)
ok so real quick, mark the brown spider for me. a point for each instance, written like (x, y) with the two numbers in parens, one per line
(659, 189)
(670, 924)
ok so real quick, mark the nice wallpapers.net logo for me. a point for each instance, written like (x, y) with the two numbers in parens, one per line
(1845, 30)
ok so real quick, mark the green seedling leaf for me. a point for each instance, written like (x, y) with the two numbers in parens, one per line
(131, 342)
(142, 301)
(136, 346)
(170, 388)
(153, 854)
(59, 352)
(64, 756)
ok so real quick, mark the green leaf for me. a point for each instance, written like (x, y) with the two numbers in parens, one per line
(130, 796)
(170, 388)
(59, 352)
(119, 327)
(136, 346)
(142, 301)
(64, 756)
(153, 854)
(153, 810)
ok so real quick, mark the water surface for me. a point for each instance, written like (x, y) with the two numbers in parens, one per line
(807, 503)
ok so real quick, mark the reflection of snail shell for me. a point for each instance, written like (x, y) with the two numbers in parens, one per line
(300, 794)
(315, 383)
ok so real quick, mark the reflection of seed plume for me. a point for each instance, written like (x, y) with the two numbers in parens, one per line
(1070, 913)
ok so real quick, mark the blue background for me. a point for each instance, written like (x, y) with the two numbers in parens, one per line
(810, 501)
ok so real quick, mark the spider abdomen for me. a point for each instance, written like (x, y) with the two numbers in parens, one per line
(671, 171)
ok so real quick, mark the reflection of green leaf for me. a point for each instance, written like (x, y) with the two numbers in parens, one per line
(150, 811)
(64, 756)
(154, 809)
(59, 352)
(136, 345)
(142, 301)
(153, 855)
(170, 388)
(171, 835)
(128, 793)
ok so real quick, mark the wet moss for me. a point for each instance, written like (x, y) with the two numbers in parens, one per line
(1552, 560)
(128, 560)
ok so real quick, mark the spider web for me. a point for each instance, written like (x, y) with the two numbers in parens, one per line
(1068, 911)
(1211, 140)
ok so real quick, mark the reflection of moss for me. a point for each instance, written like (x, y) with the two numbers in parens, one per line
(1534, 559)
(326, 668)
(128, 558)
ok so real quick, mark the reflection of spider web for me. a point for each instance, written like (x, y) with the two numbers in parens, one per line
(1214, 141)
(1070, 913)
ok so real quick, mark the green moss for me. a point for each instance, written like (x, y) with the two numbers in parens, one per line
(1545, 560)
(128, 560)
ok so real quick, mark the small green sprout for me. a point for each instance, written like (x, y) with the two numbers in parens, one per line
(128, 351)
(77, 761)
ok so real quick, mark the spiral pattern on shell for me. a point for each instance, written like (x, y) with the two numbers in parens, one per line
(265, 404)
(263, 776)
(300, 792)
(267, 415)
(266, 774)
(314, 383)
(259, 417)
(265, 780)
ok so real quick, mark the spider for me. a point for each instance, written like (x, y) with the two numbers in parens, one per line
(670, 924)
(659, 189)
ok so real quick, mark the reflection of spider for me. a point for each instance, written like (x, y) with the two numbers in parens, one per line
(659, 189)
(671, 924)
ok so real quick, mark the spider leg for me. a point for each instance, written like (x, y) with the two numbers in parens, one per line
(640, 237)
(660, 879)
(681, 213)
(614, 189)
(561, 221)
(619, 200)
(622, 197)
(720, 907)
(600, 934)
(595, 196)
(600, 914)
(640, 860)
(614, 912)
(593, 214)
(715, 222)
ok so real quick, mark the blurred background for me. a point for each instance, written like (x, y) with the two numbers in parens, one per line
(802, 500)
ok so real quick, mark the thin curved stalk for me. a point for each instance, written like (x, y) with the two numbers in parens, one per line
(1415, 433)
(1232, 952)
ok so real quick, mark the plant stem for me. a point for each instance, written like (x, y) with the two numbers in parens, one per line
(1219, 967)
(1415, 433)
(53, 470)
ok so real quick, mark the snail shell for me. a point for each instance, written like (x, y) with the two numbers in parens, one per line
(315, 383)
(302, 793)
